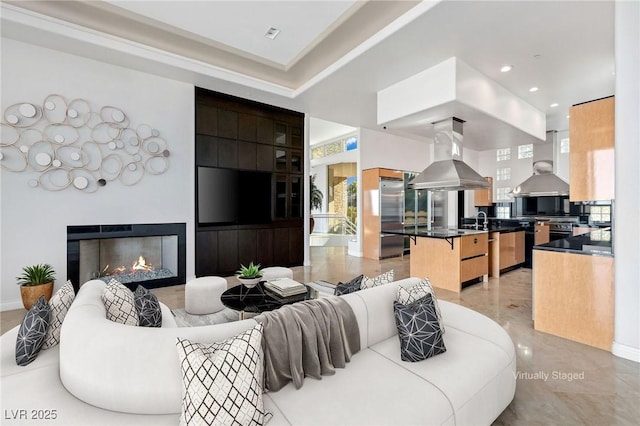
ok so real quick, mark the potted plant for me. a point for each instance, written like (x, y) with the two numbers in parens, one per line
(250, 275)
(35, 281)
(315, 200)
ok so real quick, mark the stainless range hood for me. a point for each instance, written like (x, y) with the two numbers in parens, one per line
(448, 172)
(544, 182)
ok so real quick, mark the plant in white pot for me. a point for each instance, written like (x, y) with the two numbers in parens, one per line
(250, 275)
(36, 281)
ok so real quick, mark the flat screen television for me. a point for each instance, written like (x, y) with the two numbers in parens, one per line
(228, 197)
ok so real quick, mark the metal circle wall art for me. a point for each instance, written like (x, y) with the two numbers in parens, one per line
(70, 145)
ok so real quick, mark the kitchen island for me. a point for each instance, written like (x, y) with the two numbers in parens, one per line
(448, 257)
(573, 288)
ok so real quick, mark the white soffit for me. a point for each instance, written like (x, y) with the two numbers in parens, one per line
(242, 24)
(452, 88)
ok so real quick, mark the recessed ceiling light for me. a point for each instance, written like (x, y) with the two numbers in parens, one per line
(506, 68)
(272, 33)
(533, 89)
(568, 116)
(553, 105)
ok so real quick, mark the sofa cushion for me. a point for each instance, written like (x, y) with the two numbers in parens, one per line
(120, 303)
(60, 304)
(379, 392)
(381, 279)
(477, 379)
(376, 303)
(348, 287)
(32, 332)
(410, 293)
(148, 307)
(477, 373)
(223, 381)
(418, 329)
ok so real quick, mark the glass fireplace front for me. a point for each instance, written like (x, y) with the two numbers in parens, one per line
(152, 254)
(129, 259)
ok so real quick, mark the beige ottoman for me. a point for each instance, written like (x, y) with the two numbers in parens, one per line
(202, 295)
(273, 272)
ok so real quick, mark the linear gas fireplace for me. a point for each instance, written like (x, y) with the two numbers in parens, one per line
(153, 255)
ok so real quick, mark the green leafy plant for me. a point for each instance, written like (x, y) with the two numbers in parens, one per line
(315, 195)
(36, 274)
(251, 271)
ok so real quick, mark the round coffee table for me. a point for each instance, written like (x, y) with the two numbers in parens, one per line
(258, 299)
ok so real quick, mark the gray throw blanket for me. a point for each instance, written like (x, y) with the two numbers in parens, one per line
(309, 338)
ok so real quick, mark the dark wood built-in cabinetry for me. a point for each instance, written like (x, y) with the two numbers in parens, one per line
(249, 139)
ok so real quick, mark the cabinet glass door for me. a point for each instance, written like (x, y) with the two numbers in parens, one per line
(296, 162)
(281, 197)
(296, 196)
(281, 134)
(281, 160)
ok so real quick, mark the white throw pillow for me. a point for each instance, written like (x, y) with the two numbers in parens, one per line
(410, 294)
(222, 382)
(385, 278)
(120, 303)
(60, 304)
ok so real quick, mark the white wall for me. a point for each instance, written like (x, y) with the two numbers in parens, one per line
(627, 208)
(521, 169)
(381, 149)
(34, 221)
(562, 161)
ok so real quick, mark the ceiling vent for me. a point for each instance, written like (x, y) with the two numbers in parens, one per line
(272, 33)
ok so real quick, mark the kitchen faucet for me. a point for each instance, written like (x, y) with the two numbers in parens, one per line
(484, 224)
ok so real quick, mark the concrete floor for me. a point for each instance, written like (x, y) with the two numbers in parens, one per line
(559, 382)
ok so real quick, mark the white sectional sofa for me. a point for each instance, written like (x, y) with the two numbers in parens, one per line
(104, 373)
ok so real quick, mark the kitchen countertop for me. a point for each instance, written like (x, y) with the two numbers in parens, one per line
(505, 229)
(595, 243)
(412, 231)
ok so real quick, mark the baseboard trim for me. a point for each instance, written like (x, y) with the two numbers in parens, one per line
(626, 352)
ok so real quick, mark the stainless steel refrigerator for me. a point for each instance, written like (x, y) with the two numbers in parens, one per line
(391, 216)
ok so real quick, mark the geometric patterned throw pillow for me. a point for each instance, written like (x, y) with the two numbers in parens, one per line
(32, 332)
(222, 382)
(148, 307)
(120, 303)
(418, 330)
(408, 295)
(348, 287)
(385, 278)
(60, 304)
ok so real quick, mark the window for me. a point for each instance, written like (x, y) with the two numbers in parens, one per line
(564, 146)
(502, 194)
(503, 154)
(525, 151)
(503, 212)
(335, 147)
(503, 173)
(600, 214)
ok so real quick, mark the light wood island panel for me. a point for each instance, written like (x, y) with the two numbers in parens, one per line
(511, 249)
(448, 268)
(592, 134)
(573, 297)
(541, 234)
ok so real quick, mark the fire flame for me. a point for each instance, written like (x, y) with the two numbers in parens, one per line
(138, 265)
(141, 265)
